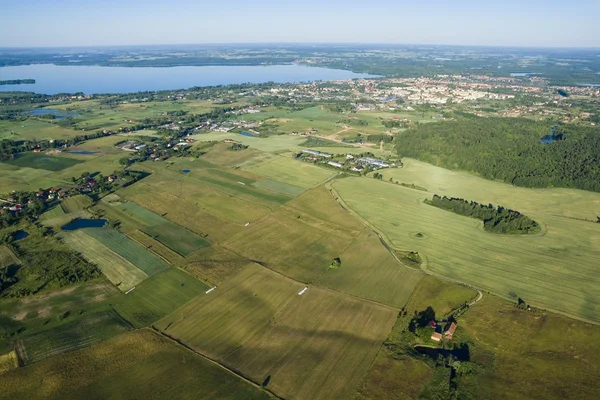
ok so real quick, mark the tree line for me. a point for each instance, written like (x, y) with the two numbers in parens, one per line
(509, 150)
(495, 219)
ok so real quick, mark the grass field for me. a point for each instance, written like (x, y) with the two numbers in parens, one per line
(7, 257)
(128, 249)
(178, 239)
(291, 171)
(157, 248)
(42, 161)
(280, 187)
(292, 243)
(256, 323)
(144, 216)
(75, 203)
(221, 155)
(84, 331)
(117, 269)
(158, 296)
(369, 271)
(557, 270)
(214, 264)
(270, 144)
(134, 365)
(54, 212)
(8, 361)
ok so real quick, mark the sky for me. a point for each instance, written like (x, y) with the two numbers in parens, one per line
(549, 23)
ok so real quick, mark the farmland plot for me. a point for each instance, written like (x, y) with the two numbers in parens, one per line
(291, 171)
(178, 239)
(7, 257)
(118, 270)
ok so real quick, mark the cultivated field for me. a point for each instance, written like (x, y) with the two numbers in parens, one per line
(158, 296)
(292, 243)
(7, 257)
(157, 248)
(280, 187)
(178, 239)
(369, 271)
(134, 365)
(557, 270)
(82, 332)
(117, 269)
(215, 264)
(8, 361)
(42, 161)
(128, 249)
(291, 171)
(75, 203)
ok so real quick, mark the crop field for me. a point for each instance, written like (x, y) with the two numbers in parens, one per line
(7, 257)
(178, 239)
(221, 321)
(158, 296)
(280, 187)
(54, 212)
(270, 144)
(117, 269)
(344, 334)
(133, 365)
(369, 271)
(128, 249)
(34, 129)
(214, 264)
(222, 156)
(42, 161)
(557, 269)
(75, 203)
(157, 248)
(82, 332)
(144, 216)
(292, 171)
(292, 243)
(256, 323)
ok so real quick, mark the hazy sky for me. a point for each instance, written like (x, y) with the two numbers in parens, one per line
(468, 22)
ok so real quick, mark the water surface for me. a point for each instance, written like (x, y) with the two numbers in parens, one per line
(53, 79)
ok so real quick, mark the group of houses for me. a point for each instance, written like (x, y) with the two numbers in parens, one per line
(348, 161)
(446, 333)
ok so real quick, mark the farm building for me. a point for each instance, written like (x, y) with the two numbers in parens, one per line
(450, 331)
(335, 164)
(317, 153)
(436, 336)
(374, 162)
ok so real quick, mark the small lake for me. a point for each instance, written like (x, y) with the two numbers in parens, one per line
(247, 134)
(55, 113)
(81, 223)
(52, 79)
(20, 235)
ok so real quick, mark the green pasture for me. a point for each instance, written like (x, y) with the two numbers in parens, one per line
(173, 258)
(158, 296)
(75, 204)
(133, 365)
(33, 128)
(269, 144)
(128, 249)
(42, 161)
(557, 269)
(7, 257)
(291, 171)
(178, 239)
(279, 187)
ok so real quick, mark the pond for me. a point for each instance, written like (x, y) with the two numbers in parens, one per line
(186, 171)
(243, 133)
(20, 234)
(81, 223)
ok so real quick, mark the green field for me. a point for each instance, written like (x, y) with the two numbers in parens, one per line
(258, 324)
(75, 203)
(84, 331)
(42, 161)
(128, 249)
(280, 187)
(369, 271)
(533, 268)
(144, 216)
(117, 269)
(134, 365)
(178, 239)
(291, 171)
(157, 248)
(291, 242)
(7, 257)
(158, 296)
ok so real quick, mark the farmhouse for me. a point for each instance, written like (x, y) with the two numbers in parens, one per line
(450, 331)
(373, 161)
(317, 153)
(436, 336)
(335, 164)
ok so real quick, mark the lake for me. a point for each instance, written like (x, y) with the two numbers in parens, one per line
(52, 79)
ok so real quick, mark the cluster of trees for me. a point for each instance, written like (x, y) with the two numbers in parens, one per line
(495, 219)
(380, 138)
(509, 150)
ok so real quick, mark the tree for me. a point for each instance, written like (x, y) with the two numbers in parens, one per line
(124, 161)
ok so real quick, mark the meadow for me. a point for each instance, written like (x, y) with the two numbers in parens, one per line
(42, 161)
(7, 257)
(134, 365)
(117, 269)
(178, 239)
(75, 204)
(292, 171)
(557, 269)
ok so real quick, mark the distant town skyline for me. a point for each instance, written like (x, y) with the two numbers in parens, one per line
(71, 23)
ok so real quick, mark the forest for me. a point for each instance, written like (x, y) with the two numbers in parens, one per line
(509, 150)
(495, 219)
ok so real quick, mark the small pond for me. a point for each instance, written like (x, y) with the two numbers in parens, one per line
(20, 234)
(247, 134)
(80, 223)
(186, 171)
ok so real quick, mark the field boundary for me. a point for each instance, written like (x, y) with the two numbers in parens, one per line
(215, 362)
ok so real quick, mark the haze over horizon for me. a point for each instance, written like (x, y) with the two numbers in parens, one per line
(71, 23)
